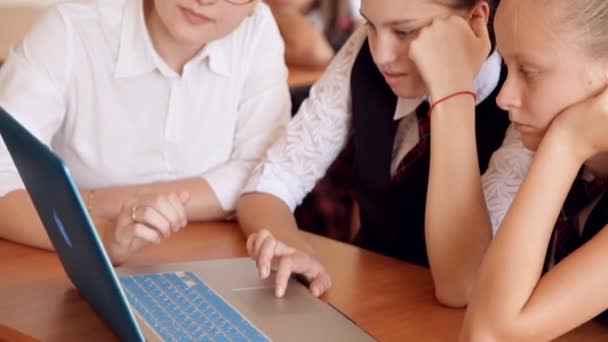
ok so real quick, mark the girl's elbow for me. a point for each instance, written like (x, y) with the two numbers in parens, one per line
(322, 58)
(485, 327)
(451, 299)
(478, 330)
(452, 295)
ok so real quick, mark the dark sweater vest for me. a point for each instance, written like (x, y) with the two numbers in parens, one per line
(597, 220)
(392, 210)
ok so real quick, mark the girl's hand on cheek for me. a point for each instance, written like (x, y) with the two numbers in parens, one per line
(584, 126)
(449, 54)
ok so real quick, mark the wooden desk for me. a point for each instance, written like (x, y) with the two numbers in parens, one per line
(302, 76)
(9, 334)
(391, 299)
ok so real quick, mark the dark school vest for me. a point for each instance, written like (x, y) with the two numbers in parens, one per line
(392, 208)
(597, 220)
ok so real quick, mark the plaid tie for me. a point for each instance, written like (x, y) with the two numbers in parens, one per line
(424, 129)
(566, 237)
(327, 209)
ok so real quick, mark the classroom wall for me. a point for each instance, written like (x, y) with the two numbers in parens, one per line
(27, 2)
(16, 16)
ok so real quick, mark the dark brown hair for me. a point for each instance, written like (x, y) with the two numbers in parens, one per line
(335, 12)
(466, 4)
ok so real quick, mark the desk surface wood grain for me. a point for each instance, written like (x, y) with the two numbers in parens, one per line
(391, 299)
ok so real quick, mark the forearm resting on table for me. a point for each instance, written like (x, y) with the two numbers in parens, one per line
(512, 294)
(20, 222)
(256, 211)
(457, 231)
(203, 204)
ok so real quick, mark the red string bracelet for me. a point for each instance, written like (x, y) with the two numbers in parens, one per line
(463, 92)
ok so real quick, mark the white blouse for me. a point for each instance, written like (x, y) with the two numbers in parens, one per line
(87, 81)
(320, 130)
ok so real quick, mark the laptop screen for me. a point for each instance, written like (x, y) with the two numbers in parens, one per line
(69, 226)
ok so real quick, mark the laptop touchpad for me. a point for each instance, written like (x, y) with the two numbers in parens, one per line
(261, 300)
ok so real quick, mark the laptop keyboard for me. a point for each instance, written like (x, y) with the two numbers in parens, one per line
(180, 307)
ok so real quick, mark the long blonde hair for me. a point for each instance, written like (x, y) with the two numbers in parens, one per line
(588, 20)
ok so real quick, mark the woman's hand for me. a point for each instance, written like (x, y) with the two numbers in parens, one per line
(449, 53)
(272, 254)
(144, 220)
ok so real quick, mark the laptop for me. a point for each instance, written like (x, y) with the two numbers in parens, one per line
(214, 300)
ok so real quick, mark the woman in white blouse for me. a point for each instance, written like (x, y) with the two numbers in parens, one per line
(418, 55)
(159, 108)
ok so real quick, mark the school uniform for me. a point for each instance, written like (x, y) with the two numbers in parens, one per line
(595, 222)
(87, 81)
(392, 205)
(351, 100)
(584, 212)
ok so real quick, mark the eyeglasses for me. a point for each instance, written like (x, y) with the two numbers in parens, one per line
(239, 2)
(235, 2)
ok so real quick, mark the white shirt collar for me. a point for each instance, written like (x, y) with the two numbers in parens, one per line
(136, 53)
(486, 81)
(217, 54)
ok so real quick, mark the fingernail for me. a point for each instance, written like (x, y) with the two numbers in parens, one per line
(315, 291)
(280, 291)
(265, 272)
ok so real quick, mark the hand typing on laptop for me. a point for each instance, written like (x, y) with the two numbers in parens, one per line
(272, 254)
(144, 220)
(164, 302)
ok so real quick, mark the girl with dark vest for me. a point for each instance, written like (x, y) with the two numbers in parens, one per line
(545, 273)
(373, 92)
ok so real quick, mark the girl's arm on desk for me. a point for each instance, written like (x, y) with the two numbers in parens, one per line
(544, 274)
(457, 232)
(293, 164)
(203, 204)
(513, 299)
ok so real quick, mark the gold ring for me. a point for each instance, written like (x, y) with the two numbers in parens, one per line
(133, 214)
